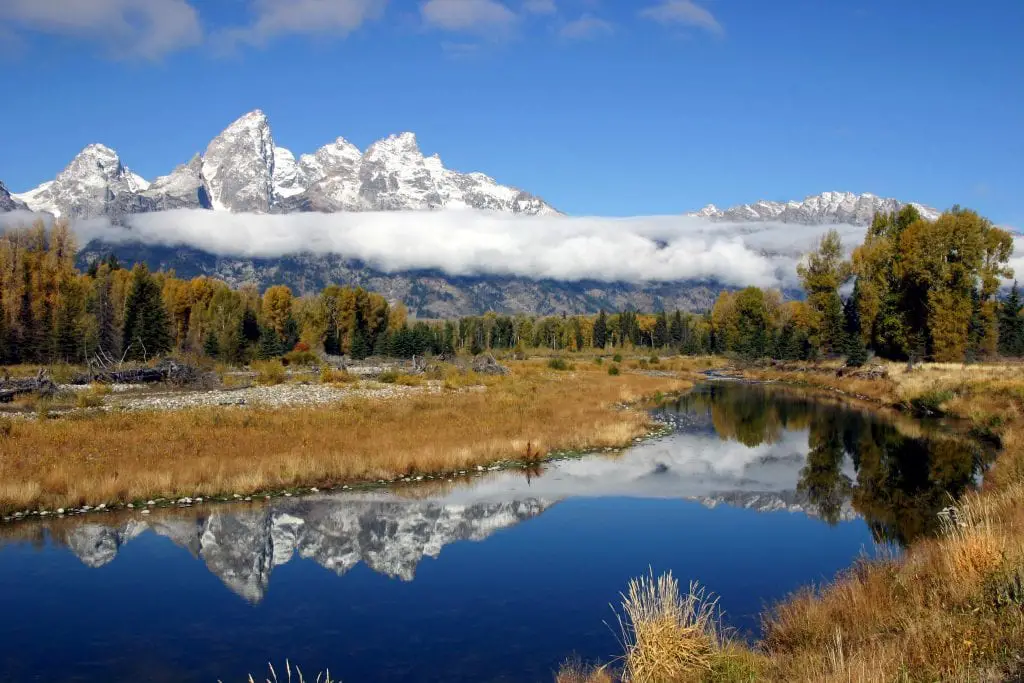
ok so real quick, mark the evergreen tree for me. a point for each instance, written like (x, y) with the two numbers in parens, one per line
(269, 345)
(146, 325)
(107, 337)
(660, 336)
(360, 347)
(856, 351)
(1011, 324)
(211, 347)
(601, 331)
(250, 327)
(676, 330)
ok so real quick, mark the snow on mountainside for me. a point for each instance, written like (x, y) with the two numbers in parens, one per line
(9, 203)
(242, 170)
(820, 209)
(95, 183)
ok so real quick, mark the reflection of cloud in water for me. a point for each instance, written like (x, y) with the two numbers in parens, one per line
(678, 466)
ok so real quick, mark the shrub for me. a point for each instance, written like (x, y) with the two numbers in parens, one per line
(643, 364)
(613, 370)
(334, 376)
(269, 371)
(388, 377)
(654, 360)
(930, 403)
(617, 358)
(91, 398)
(560, 364)
(298, 357)
(407, 380)
(302, 347)
(6, 428)
(599, 360)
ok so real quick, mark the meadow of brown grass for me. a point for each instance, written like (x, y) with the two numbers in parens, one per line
(118, 457)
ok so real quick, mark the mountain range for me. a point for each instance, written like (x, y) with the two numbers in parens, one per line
(243, 170)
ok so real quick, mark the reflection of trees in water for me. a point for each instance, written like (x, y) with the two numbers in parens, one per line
(901, 481)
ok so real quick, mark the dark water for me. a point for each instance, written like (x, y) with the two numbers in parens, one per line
(498, 578)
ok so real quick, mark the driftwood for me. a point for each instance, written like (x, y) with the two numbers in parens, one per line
(165, 371)
(40, 384)
(486, 365)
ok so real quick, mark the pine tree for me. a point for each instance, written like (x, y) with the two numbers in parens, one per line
(660, 336)
(1011, 324)
(26, 344)
(211, 347)
(107, 337)
(601, 331)
(269, 345)
(360, 346)
(676, 330)
(146, 324)
(856, 351)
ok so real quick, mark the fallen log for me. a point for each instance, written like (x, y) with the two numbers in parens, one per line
(40, 384)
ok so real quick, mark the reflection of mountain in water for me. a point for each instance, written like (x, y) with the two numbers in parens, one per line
(242, 546)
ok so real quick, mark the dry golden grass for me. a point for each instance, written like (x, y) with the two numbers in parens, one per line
(111, 457)
(667, 636)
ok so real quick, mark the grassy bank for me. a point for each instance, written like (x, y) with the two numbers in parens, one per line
(950, 609)
(91, 458)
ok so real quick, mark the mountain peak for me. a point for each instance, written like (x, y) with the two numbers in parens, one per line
(825, 208)
(239, 165)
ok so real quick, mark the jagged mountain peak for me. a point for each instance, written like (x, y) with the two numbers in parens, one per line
(238, 165)
(243, 170)
(819, 209)
(94, 183)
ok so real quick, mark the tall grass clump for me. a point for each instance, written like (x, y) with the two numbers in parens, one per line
(667, 635)
(323, 677)
(613, 370)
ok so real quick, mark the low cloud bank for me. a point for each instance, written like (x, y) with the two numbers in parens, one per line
(460, 243)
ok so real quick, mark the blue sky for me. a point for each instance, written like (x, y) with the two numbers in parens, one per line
(603, 107)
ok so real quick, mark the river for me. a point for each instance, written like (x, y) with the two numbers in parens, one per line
(756, 492)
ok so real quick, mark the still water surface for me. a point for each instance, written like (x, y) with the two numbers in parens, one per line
(757, 492)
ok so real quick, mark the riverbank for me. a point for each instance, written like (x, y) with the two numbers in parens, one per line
(950, 608)
(370, 432)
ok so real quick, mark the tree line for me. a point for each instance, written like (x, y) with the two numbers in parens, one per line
(913, 289)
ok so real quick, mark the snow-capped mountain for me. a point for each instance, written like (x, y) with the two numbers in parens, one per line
(820, 209)
(95, 183)
(243, 170)
(183, 188)
(9, 203)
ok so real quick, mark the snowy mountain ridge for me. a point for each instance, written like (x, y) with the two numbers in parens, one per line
(820, 209)
(243, 170)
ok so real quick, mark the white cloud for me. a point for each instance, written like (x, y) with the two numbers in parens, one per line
(684, 12)
(275, 18)
(540, 6)
(636, 250)
(467, 15)
(586, 27)
(656, 249)
(125, 28)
